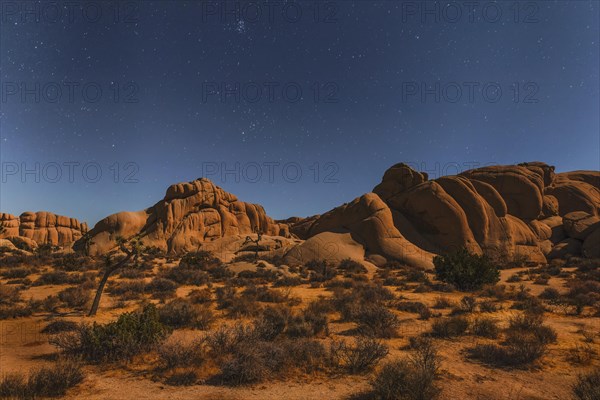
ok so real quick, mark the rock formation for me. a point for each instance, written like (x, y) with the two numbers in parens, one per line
(31, 229)
(510, 213)
(190, 214)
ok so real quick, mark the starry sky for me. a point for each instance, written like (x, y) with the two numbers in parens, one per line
(299, 106)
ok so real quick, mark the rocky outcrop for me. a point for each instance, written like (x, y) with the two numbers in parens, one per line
(31, 229)
(190, 214)
(510, 213)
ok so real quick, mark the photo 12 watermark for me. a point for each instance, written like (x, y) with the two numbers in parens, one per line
(69, 92)
(471, 12)
(269, 92)
(69, 171)
(70, 12)
(469, 92)
(270, 12)
(271, 172)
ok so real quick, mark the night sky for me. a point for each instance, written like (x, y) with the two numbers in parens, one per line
(153, 93)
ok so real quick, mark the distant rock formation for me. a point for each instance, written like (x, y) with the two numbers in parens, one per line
(31, 229)
(510, 213)
(190, 214)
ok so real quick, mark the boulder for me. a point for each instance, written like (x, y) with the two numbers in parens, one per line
(568, 247)
(576, 191)
(189, 215)
(520, 187)
(591, 245)
(42, 227)
(579, 224)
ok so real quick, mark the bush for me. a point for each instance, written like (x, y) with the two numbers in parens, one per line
(131, 334)
(410, 379)
(177, 354)
(415, 307)
(180, 313)
(466, 271)
(587, 386)
(53, 381)
(450, 327)
(252, 363)
(161, 288)
(349, 266)
(485, 327)
(200, 296)
(60, 326)
(127, 290)
(377, 321)
(75, 297)
(16, 273)
(360, 357)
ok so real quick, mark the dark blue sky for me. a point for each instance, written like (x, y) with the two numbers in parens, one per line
(135, 89)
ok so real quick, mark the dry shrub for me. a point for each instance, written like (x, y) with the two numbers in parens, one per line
(358, 358)
(450, 327)
(409, 379)
(179, 313)
(52, 381)
(587, 386)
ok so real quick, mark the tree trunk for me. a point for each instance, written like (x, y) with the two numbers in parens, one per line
(100, 289)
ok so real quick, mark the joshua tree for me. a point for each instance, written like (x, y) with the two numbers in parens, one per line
(132, 248)
(256, 242)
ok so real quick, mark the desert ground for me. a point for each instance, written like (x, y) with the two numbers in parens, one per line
(250, 327)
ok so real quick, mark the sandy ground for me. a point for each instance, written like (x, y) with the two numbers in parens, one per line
(23, 347)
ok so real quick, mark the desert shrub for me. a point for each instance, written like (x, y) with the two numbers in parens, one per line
(358, 358)
(127, 290)
(349, 266)
(253, 362)
(526, 341)
(180, 313)
(272, 322)
(177, 354)
(485, 327)
(348, 302)
(16, 273)
(465, 271)
(265, 294)
(131, 334)
(409, 379)
(202, 260)
(51, 303)
(75, 297)
(582, 354)
(587, 386)
(8, 311)
(466, 305)
(132, 273)
(161, 288)
(59, 278)
(200, 296)
(60, 326)
(186, 274)
(415, 275)
(488, 306)
(321, 270)
(450, 327)
(72, 262)
(288, 281)
(549, 294)
(415, 307)
(308, 355)
(225, 340)
(377, 321)
(52, 381)
(9, 295)
(533, 324)
(309, 322)
(442, 302)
